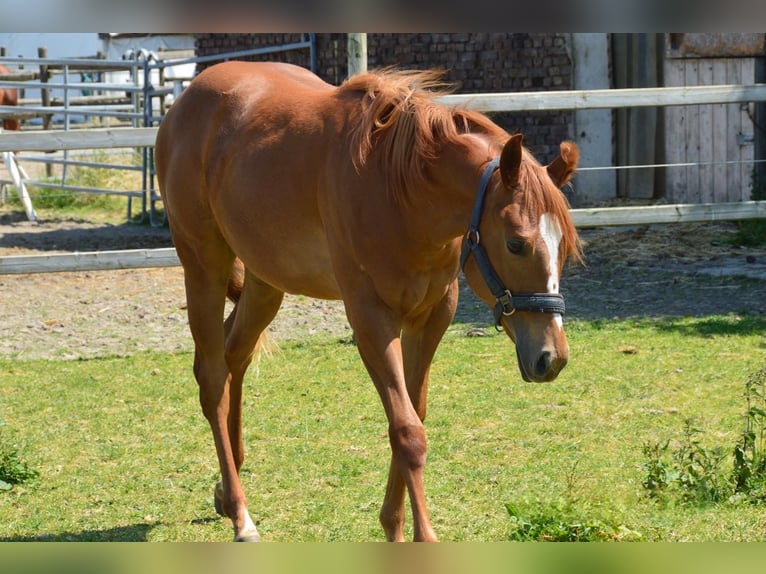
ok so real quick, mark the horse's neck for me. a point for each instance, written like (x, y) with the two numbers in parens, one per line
(456, 174)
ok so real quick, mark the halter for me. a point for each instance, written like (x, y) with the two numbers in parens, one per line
(506, 304)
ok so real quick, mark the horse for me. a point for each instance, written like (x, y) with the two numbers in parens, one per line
(9, 97)
(372, 192)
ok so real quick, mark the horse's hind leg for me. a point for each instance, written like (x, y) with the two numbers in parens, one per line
(207, 266)
(257, 306)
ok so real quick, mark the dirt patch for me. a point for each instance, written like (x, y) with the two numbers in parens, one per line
(666, 271)
(661, 270)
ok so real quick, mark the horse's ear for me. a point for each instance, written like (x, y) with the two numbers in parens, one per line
(510, 161)
(561, 169)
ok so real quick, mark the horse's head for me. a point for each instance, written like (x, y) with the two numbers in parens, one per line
(520, 236)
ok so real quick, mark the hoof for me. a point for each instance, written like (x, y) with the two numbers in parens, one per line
(249, 533)
(218, 499)
(252, 536)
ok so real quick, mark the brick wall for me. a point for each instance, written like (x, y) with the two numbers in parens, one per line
(476, 62)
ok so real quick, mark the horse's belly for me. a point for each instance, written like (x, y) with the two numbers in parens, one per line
(300, 265)
(315, 285)
(278, 235)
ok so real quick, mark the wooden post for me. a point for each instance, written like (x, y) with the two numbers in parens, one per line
(357, 54)
(22, 91)
(45, 96)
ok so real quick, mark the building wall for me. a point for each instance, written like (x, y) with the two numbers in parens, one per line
(475, 62)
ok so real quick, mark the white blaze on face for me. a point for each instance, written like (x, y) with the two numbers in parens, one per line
(550, 231)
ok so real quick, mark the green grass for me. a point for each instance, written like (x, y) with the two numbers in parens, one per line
(123, 452)
(53, 203)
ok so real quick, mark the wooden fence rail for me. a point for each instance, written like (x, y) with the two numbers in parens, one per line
(97, 138)
(527, 101)
(602, 99)
(89, 261)
(583, 218)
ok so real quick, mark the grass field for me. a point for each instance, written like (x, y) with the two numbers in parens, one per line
(123, 452)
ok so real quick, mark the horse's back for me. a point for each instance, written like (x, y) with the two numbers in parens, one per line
(241, 111)
(239, 155)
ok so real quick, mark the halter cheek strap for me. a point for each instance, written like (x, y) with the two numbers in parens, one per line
(506, 304)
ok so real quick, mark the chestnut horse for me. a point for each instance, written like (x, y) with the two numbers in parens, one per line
(274, 181)
(9, 97)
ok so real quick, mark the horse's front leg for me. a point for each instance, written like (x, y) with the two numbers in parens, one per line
(419, 344)
(402, 388)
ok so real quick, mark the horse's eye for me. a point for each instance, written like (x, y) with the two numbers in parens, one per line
(515, 246)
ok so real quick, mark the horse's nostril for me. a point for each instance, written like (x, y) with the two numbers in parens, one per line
(543, 364)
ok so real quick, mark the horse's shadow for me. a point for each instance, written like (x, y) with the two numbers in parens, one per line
(130, 533)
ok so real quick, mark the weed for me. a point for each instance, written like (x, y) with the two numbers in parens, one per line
(749, 474)
(659, 474)
(692, 468)
(699, 474)
(13, 470)
(559, 525)
(563, 521)
(752, 232)
(695, 470)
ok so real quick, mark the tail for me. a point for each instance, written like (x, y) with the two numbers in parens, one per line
(236, 280)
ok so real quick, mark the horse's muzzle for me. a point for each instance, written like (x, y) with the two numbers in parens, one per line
(544, 369)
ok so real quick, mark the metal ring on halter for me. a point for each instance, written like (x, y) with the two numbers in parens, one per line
(506, 301)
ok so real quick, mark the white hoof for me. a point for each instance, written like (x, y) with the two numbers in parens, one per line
(249, 533)
(251, 536)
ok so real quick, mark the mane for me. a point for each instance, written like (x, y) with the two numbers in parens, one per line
(540, 197)
(401, 125)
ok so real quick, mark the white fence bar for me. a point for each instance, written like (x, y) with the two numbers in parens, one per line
(502, 102)
(612, 98)
(89, 261)
(583, 218)
(677, 213)
(527, 101)
(18, 175)
(99, 138)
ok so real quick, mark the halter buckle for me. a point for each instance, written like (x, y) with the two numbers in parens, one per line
(506, 301)
(503, 308)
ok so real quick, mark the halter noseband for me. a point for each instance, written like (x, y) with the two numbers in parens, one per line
(506, 304)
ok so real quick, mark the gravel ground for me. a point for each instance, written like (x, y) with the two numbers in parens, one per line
(663, 270)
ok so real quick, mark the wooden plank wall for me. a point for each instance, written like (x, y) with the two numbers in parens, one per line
(709, 134)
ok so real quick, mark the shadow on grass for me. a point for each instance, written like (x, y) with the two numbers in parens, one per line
(705, 327)
(94, 237)
(132, 533)
(717, 325)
